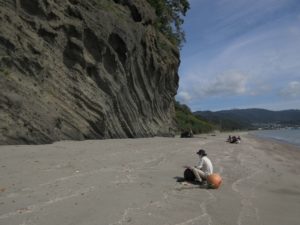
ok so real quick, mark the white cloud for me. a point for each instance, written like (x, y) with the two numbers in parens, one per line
(233, 83)
(184, 97)
(227, 84)
(292, 90)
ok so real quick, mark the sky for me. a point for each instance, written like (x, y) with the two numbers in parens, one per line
(241, 54)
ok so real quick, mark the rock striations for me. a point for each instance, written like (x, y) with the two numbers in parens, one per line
(84, 69)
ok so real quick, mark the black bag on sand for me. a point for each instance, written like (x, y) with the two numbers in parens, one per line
(189, 175)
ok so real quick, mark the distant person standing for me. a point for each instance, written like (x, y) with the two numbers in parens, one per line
(204, 167)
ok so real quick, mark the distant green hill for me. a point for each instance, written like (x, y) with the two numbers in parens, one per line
(186, 120)
(251, 118)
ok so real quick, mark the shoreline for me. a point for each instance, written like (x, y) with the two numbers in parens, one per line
(251, 133)
(134, 181)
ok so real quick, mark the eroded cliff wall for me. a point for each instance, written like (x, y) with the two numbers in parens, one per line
(84, 69)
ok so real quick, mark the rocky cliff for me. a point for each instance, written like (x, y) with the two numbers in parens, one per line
(84, 69)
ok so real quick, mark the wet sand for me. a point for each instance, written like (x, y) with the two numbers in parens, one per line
(134, 181)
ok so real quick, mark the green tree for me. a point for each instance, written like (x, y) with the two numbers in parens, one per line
(185, 120)
(170, 18)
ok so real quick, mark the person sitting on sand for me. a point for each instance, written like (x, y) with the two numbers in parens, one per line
(204, 168)
(234, 140)
(229, 138)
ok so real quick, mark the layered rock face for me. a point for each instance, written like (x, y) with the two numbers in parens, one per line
(84, 69)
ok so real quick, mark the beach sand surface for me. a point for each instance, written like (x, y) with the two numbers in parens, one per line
(135, 181)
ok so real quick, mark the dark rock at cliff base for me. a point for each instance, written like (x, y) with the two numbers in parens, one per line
(81, 69)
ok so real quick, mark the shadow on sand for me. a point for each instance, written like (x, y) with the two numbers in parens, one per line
(189, 184)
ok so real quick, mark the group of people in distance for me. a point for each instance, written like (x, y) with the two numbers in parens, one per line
(234, 139)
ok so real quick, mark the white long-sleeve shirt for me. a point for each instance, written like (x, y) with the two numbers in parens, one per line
(205, 165)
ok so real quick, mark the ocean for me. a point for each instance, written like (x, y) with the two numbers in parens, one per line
(291, 136)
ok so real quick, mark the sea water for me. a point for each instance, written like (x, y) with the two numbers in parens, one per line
(291, 136)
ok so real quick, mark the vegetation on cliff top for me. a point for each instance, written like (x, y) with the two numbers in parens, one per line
(185, 120)
(170, 18)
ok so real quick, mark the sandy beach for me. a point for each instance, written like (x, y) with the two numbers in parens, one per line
(134, 181)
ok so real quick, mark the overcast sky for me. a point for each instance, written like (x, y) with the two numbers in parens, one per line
(241, 54)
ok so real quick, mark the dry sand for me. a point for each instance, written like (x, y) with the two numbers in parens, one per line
(134, 181)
